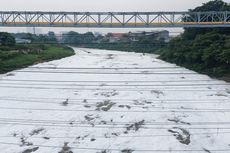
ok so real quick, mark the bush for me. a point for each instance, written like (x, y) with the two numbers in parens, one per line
(11, 60)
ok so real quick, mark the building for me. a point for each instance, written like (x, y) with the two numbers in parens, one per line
(162, 35)
(153, 35)
(22, 41)
(114, 37)
(137, 36)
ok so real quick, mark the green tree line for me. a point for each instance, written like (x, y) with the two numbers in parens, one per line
(206, 50)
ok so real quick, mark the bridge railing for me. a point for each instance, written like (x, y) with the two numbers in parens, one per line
(115, 19)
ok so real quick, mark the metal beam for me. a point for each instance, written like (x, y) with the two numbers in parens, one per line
(114, 19)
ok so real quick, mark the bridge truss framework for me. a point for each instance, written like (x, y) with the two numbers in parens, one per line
(115, 19)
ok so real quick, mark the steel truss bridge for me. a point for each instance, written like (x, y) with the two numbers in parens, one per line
(114, 19)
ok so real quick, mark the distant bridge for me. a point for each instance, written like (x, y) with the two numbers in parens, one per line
(114, 19)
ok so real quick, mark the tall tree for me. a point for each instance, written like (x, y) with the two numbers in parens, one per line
(6, 39)
(215, 5)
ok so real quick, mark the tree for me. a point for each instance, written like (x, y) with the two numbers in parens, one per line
(6, 39)
(76, 38)
(51, 36)
(205, 50)
(215, 5)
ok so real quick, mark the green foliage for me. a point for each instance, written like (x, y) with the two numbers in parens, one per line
(75, 38)
(141, 47)
(215, 5)
(208, 53)
(11, 60)
(50, 38)
(6, 39)
(206, 50)
(144, 44)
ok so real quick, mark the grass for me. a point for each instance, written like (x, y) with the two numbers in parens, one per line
(12, 60)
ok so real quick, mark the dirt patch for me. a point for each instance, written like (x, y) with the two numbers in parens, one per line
(219, 95)
(87, 106)
(124, 106)
(135, 127)
(71, 122)
(10, 74)
(85, 101)
(104, 151)
(65, 148)
(36, 131)
(177, 120)
(46, 138)
(137, 102)
(158, 93)
(90, 117)
(110, 56)
(115, 134)
(182, 135)
(206, 150)
(105, 106)
(30, 150)
(14, 134)
(141, 102)
(92, 139)
(103, 84)
(65, 103)
(127, 151)
(103, 122)
(24, 142)
(108, 93)
(81, 138)
(147, 102)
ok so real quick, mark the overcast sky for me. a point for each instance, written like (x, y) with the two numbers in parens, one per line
(95, 5)
(100, 5)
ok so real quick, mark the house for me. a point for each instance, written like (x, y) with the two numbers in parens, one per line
(137, 36)
(162, 35)
(114, 37)
(154, 35)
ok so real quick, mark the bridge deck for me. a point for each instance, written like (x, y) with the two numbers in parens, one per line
(115, 19)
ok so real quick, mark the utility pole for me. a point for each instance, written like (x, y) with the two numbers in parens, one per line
(34, 30)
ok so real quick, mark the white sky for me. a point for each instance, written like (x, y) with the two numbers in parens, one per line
(100, 5)
(95, 5)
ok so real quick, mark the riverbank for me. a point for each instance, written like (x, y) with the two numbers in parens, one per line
(20, 56)
(222, 72)
(127, 46)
